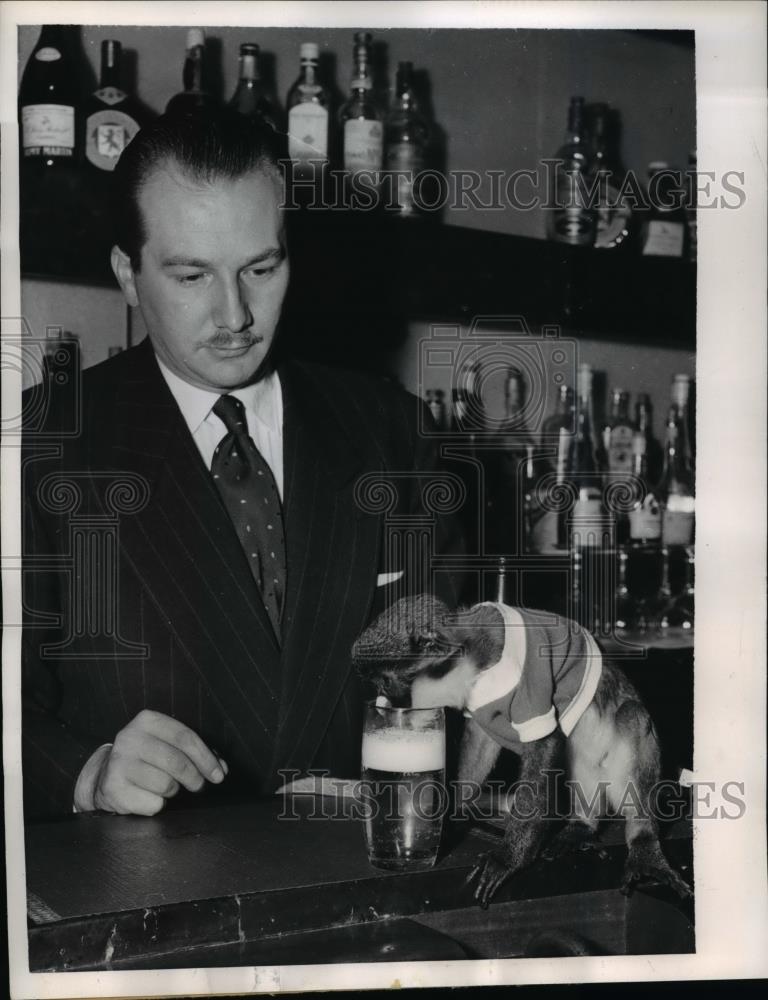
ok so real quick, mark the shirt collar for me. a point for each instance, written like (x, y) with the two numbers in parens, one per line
(263, 399)
(502, 677)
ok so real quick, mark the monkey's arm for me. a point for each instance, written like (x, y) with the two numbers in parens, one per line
(526, 827)
(477, 754)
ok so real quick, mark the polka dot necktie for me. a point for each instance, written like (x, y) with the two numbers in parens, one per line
(248, 489)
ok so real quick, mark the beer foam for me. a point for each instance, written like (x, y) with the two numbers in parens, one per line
(404, 750)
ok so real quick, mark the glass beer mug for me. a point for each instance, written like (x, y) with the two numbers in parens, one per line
(403, 785)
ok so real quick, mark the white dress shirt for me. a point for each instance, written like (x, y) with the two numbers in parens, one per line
(263, 402)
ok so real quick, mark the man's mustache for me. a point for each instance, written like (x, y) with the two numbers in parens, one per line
(235, 340)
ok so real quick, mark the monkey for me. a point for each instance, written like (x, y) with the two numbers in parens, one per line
(536, 684)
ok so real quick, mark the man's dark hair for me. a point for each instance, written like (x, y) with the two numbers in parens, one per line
(204, 145)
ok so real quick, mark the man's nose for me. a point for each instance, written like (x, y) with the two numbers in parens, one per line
(231, 310)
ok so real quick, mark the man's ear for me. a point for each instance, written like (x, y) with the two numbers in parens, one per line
(123, 270)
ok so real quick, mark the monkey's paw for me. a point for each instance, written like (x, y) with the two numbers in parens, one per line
(644, 868)
(491, 870)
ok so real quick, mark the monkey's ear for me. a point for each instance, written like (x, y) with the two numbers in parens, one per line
(436, 644)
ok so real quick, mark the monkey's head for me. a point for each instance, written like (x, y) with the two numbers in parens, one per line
(420, 653)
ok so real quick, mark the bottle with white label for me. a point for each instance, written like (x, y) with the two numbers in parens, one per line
(584, 469)
(360, 118)
(113, 116)
(664, 230)
(48, 100)
(308, 104)
(676, 490)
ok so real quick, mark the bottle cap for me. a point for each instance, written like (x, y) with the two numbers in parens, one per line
(110, 52)
(195, 36)
(249, 49)
(309, 50)
(656, 165)
(681, 385)
(585, 380)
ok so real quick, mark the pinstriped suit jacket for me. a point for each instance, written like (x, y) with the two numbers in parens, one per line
(140, 596)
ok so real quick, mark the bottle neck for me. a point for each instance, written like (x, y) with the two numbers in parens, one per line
(110, 68)
(249, 70)
(676, 473)
(193, 70)
(308, 73)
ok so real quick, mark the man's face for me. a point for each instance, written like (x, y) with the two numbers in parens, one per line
(213, 273)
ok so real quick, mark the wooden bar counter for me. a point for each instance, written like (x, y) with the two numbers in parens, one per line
(285, 882)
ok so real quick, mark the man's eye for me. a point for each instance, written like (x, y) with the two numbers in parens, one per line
(261, 272)
(189, 279)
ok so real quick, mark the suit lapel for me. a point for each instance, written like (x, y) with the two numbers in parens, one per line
(185, 551)
(332, 549)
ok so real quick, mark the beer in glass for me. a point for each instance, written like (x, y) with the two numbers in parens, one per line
(403, 786)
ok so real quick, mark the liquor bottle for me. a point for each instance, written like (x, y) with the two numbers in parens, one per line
(643, 566)
(614, 213)
(584, 469)
(308, 106)
(512, 485)
(680, 397)
(195, 96)
(571, 219)
(691, 196)
(113, 116)
(459, 416)
(663, 232)
(362, 129)
(48, 100)
(406, 136)
(617, 442)
(556, 433)
(436, 404)
(644, 424)
(645, 516)
(618, 445)
(250, 97)
(676, 490)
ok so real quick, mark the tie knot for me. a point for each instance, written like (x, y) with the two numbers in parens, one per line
(231, 412)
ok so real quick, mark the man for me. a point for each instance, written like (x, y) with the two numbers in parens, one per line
(210, 647)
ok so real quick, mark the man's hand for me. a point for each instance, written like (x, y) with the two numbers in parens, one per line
(151, 758)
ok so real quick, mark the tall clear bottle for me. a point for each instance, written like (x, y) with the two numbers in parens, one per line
(676, 489)
(554, 447)
(406, 136)
(49, 100)
(584, 470)
(195, 96)
(360, 118)
(572, 219)
(250, 97)
(308, 117)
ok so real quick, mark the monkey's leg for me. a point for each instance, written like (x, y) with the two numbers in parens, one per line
(634, 765)
(526, 826)
(587, 785)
